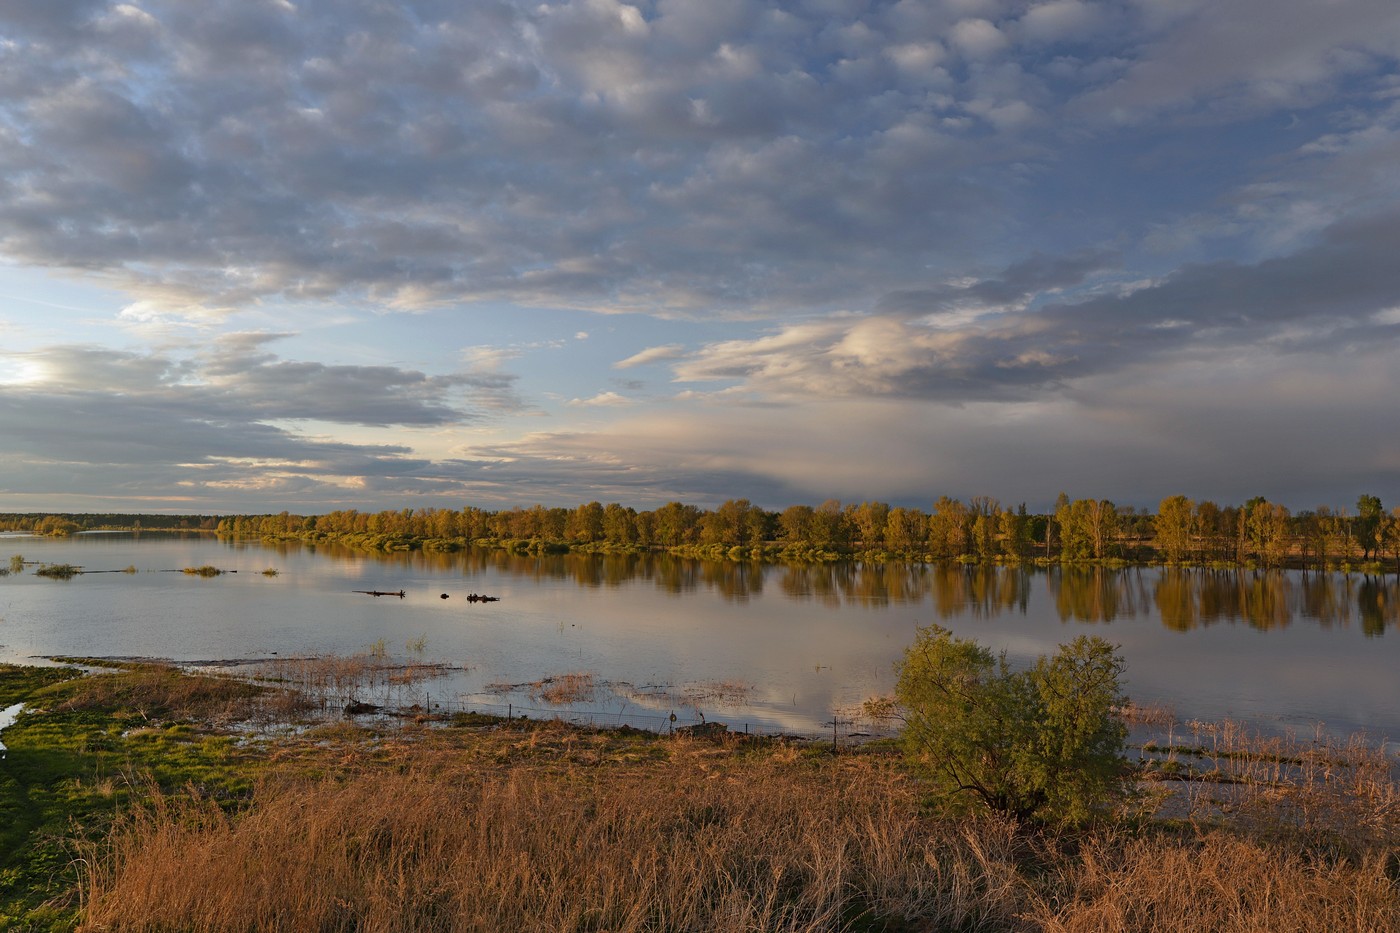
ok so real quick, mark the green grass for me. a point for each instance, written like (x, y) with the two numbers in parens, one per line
(82, 751)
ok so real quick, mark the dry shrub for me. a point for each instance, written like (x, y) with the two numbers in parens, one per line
(1217, 882)
(685, 847)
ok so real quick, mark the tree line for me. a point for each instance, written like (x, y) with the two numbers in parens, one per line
(1258, 533)
(66, 523)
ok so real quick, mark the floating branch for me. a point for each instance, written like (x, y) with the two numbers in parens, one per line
(399, 593)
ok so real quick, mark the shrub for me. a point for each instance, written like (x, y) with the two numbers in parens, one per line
(1043, 743)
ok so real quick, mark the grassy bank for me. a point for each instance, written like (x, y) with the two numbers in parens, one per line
(147, 805)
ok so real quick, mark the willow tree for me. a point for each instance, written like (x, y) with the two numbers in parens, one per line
(1043, 743)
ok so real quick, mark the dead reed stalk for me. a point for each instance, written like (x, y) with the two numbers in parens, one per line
(452, 850)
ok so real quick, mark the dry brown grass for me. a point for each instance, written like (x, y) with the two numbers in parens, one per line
(1323, 790)
(577, 687)
(544, 827)
(160, 691)
(1217, 882)
(336, 678)
(1147, 714)
(688, 844)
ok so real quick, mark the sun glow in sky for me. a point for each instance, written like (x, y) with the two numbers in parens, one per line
(262, 255)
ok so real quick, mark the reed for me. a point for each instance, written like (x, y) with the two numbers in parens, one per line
(576, 687)
(544, 827)
(438, 847)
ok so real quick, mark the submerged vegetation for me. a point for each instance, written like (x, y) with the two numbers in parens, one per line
(141, 799)
(59, 571)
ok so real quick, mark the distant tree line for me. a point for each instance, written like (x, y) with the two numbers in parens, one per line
(1258, 533)
(66, 523)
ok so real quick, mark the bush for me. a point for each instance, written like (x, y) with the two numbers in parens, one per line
(1043, 743)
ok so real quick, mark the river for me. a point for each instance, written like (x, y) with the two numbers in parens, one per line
(769, 647)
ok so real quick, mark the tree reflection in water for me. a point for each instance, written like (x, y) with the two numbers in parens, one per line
(1184, 598)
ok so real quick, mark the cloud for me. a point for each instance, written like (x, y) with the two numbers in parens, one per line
(1061, 20)
(990, 219)
(669, 351)
(1247, 56)
(1323, 299)
(601, 400)
(225, 154)
(113, 422)
(978, 38)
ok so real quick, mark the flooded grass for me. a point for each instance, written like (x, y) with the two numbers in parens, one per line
(1322, 788)
(474, 823)
(689, 695)
(1147, 714)
(207, 570)
(59, 571)
(577, 687)
(334, 679)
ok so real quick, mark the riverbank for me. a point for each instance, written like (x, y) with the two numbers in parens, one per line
(150, 797)
(1139, 554)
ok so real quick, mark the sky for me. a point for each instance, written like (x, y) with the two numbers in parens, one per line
(308, 255)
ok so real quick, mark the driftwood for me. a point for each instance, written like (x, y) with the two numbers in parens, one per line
(399, 593)
(476, 598)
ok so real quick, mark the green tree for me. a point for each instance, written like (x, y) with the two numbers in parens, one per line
(795, 524)
(906, 530)
(949, 529)
(1267, 527)
(1174, 523)
(1042, 743)
(1369, 514)
(869, 520)
(1015, 533)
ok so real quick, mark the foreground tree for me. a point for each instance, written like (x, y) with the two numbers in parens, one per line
(1044, 743)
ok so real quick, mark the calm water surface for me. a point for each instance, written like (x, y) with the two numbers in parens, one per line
(1280, 649)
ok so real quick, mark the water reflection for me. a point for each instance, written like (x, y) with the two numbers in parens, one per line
(1268, 600)
(843, 584)
(1097, 594)
(1184, 599)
